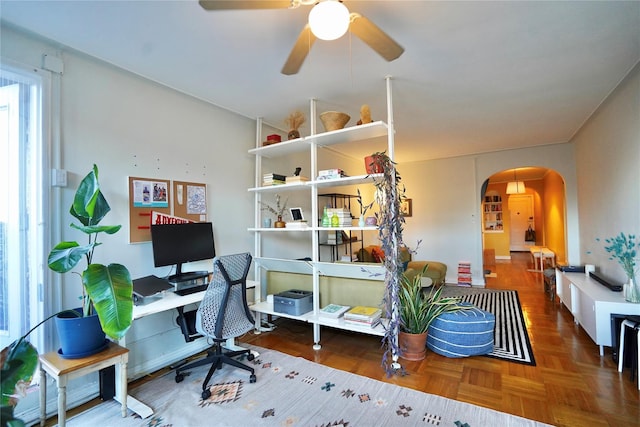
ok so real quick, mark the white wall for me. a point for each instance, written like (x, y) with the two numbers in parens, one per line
(447, 206)
(600, 167)
(608, 170)
(130, 126)
(444, 216)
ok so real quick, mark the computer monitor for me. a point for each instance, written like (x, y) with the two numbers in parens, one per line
(176, 244)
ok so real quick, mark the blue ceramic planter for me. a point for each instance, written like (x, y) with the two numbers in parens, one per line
(79, 336)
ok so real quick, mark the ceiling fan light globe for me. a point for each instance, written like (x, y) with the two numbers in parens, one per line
(329, 20)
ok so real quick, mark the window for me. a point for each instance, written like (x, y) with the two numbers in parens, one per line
(21, 201)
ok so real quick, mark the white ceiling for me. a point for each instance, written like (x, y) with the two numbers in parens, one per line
(475, 76)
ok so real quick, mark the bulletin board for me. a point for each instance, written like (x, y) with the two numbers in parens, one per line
(146, 195)
(190, 200)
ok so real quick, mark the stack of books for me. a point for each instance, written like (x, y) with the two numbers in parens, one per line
(273, 179)
(363, 316)
(330, 174)
(296, 179)
(464, 273)
(344, 216)
(333, 311)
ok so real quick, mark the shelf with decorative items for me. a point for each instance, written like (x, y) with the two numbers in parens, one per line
(340, 136)
(279, 188)
(320, 186)
(336, 234)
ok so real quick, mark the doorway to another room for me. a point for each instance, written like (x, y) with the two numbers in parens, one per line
(523, 213)
(522, 234)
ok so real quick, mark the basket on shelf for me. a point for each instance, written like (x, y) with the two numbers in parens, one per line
(334, 120)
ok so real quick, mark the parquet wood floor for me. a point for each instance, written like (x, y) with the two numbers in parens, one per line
(571, 385)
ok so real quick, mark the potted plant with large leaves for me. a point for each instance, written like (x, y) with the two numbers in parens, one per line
(18, 363)
(417, 309)
(107, 289)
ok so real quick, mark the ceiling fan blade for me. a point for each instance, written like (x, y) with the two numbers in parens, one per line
(242, 4)
(377, 39)
(299, 52)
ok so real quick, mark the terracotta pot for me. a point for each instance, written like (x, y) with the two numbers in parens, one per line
(412, 346)
(373, 165)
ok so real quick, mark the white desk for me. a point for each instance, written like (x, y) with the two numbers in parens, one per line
(170, 301)
(592, 305)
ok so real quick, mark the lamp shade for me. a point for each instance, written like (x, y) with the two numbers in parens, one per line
(515, 187)
(329, 20)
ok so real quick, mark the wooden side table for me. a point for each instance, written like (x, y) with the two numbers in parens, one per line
(63, 370)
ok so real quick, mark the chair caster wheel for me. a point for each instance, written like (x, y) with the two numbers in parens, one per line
(252, 378)
(250, 357)
(179, 378)
(206, 394)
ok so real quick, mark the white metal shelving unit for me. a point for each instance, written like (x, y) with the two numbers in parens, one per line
(353, 134)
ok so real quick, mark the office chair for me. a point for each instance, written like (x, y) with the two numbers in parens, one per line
(222, 314)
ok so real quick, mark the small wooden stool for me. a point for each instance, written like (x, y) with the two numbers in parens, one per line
(63, 370)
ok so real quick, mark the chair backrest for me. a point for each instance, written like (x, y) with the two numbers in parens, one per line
(223, 312)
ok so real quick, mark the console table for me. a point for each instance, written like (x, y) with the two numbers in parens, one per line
(592, 305)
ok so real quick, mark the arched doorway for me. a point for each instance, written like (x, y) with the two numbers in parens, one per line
(509, 217)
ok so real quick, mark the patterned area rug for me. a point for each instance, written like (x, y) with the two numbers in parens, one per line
(292, 391)
(511, 340)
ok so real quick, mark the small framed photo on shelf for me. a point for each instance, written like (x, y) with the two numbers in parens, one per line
(296, 214)
(406, 207)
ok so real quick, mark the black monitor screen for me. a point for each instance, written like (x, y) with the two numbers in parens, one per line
(180, 243)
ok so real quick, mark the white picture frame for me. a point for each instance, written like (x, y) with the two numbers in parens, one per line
(296, 214)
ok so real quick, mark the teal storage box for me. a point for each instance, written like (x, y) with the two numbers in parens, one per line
(462, 333)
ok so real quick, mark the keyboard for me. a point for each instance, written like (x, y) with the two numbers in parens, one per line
(192, 290)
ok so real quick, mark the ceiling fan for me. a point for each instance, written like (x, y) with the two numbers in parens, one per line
(340, 20)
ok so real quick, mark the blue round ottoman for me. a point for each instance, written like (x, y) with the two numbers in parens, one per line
(462, 333)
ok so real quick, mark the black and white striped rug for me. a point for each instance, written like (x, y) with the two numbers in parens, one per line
(511, 340)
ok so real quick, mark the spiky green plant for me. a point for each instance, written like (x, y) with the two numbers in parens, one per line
(418, 308)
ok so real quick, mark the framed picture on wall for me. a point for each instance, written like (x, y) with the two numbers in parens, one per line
(406, 207)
